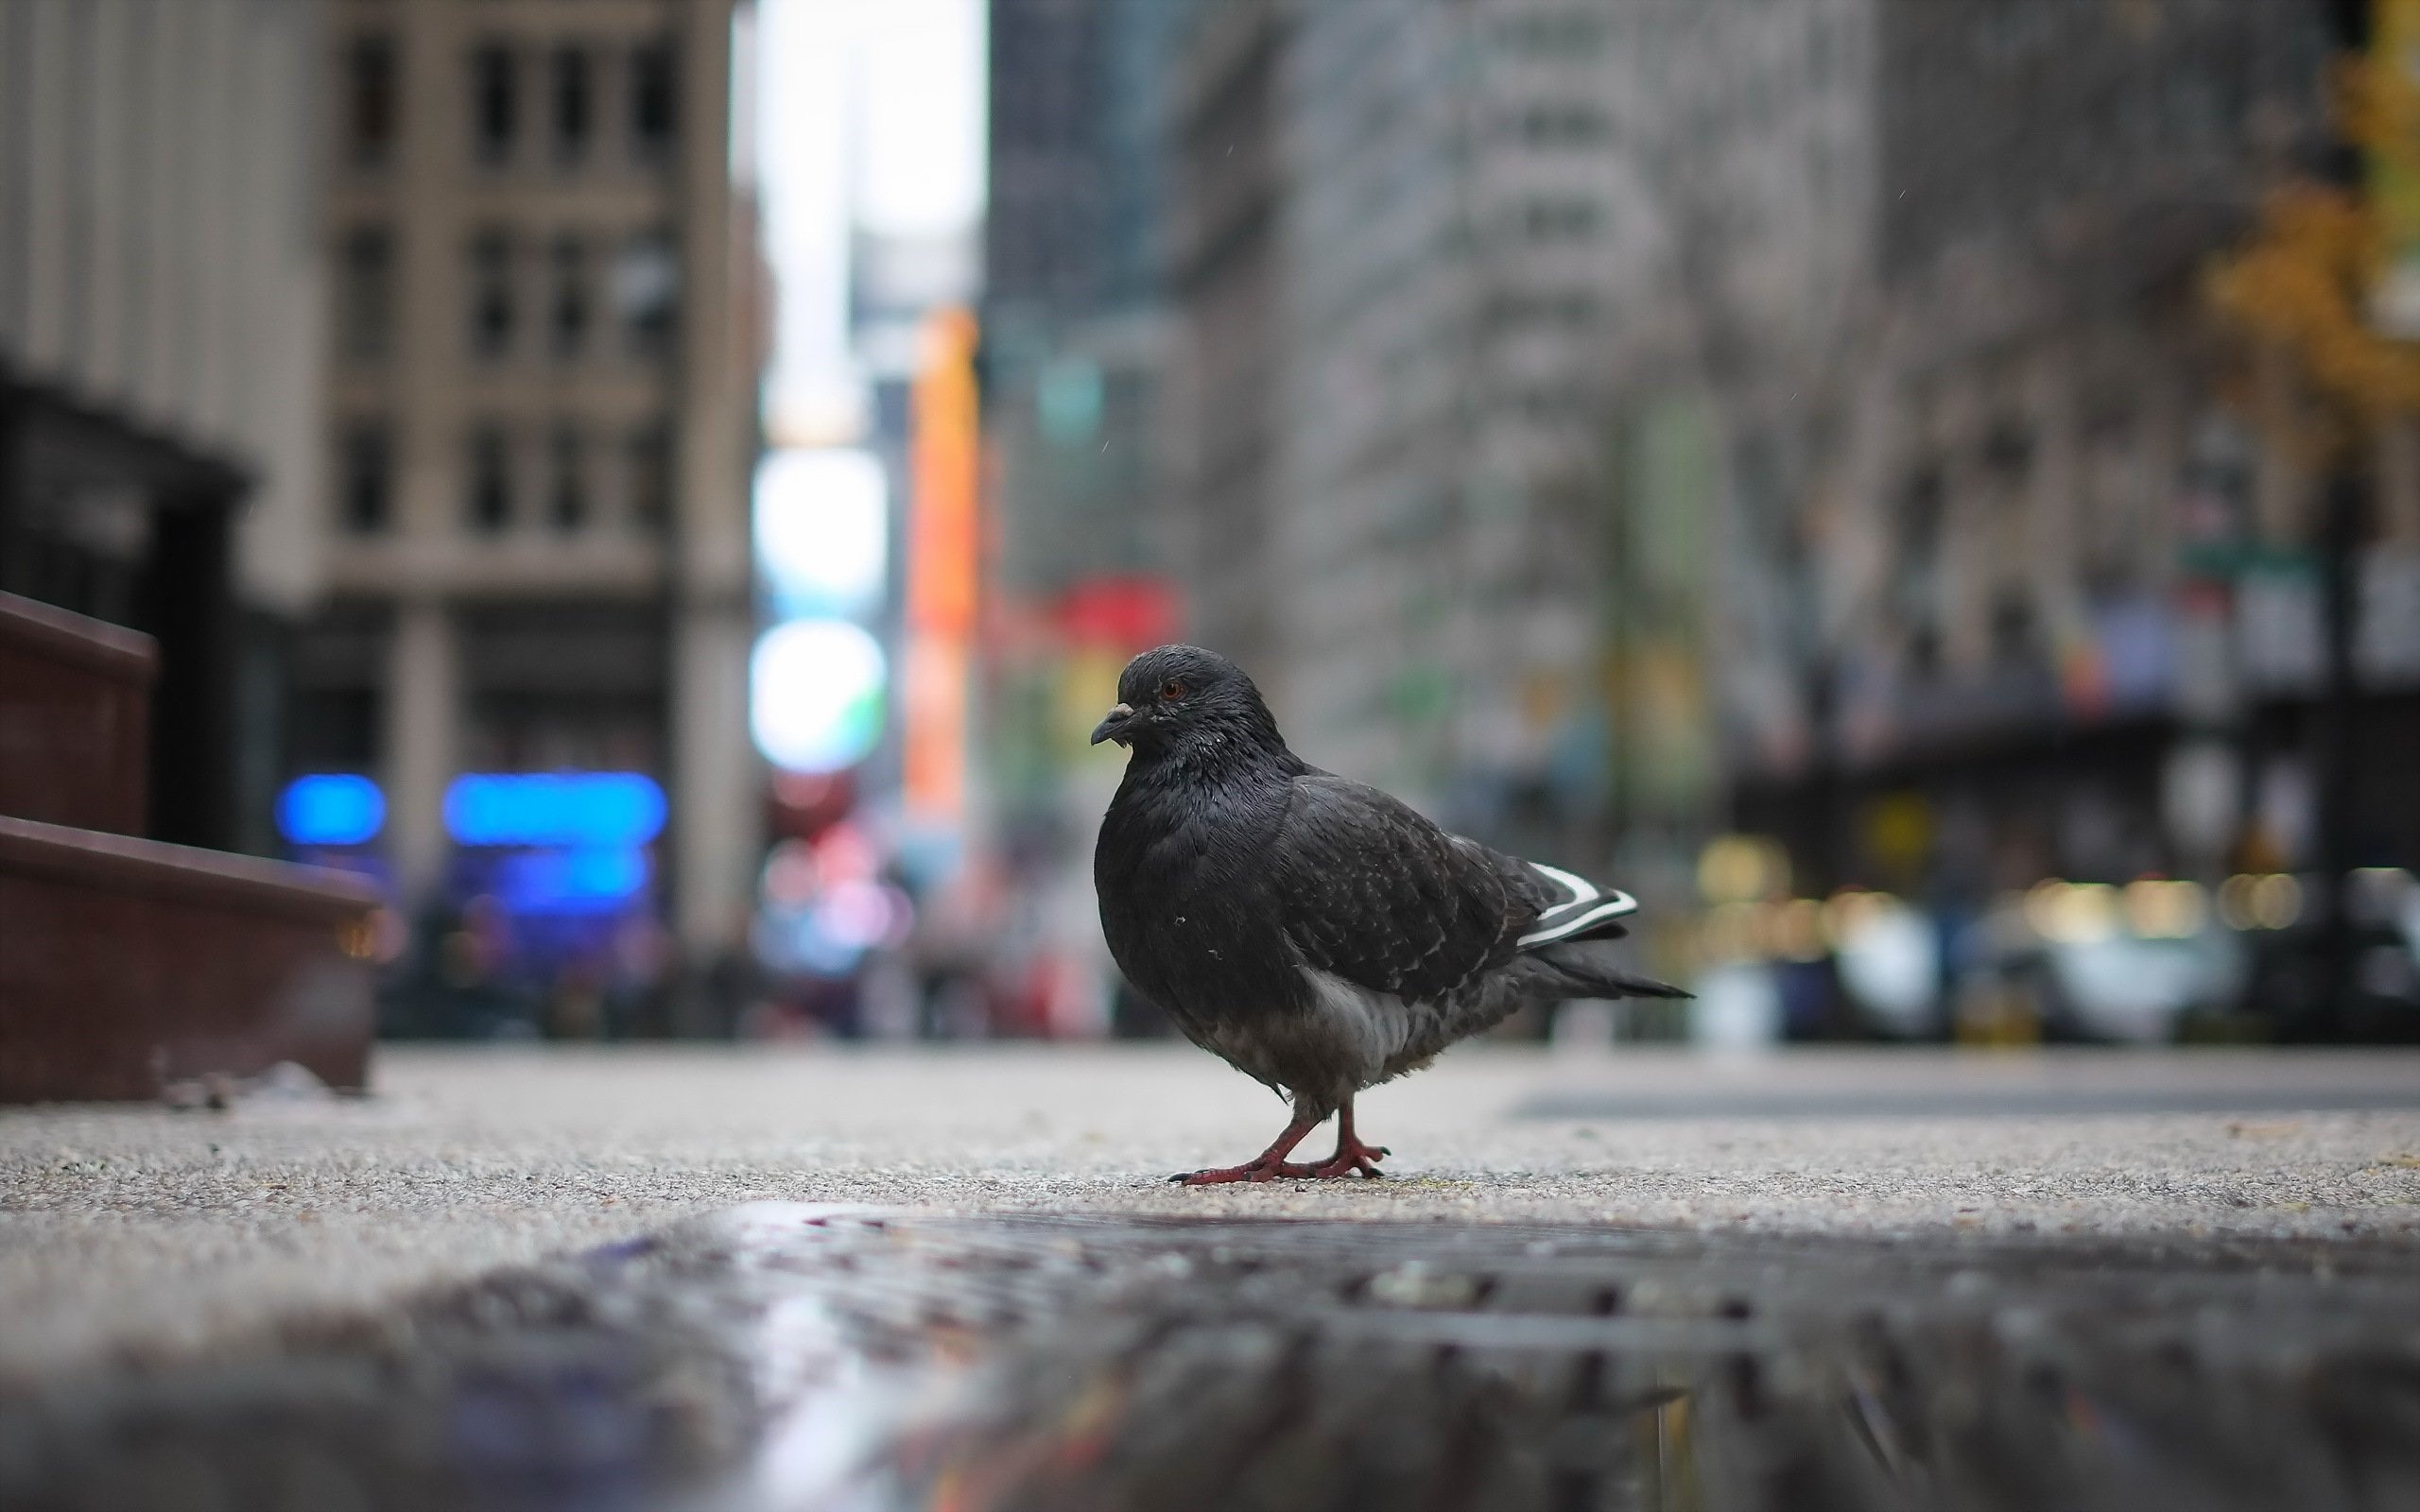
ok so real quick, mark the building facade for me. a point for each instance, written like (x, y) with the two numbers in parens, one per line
(2051, 561)
(538, 421)
(161, 351)
(1617, 421)
(1453, 285)
(1077, 356)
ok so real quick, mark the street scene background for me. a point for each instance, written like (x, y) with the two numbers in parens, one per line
(558, 558)
(1926, 496)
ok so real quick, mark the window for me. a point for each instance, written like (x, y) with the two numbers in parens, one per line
(1563, 35)
(365, 294)
(567, 498)
(365, 468)
(496, 104)
(567, 318)
(491, 304)
(1546, 308)
(1562, 125)
(654, 102)
(1559, 220)
(573, 104)
(371, 108)
(650, 461)
(646, 289)
(488, 477)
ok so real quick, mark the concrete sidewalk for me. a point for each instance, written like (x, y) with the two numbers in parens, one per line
(142, 1233)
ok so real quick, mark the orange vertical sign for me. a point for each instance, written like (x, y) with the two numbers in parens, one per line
(944, 543)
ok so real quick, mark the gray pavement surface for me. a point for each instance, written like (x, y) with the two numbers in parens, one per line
(132, 1234)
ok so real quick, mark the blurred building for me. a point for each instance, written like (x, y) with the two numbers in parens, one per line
(1076, 362)
(538, 422)
(1228, 181)
(1440, 271)
(1609, 423)
(2027, 581)
(1074, 327)
(161, 349)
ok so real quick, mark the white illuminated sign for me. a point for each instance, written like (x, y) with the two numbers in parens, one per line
(814, 695)
(823, 529)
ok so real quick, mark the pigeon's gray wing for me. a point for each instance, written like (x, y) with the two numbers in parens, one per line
(1373, 893)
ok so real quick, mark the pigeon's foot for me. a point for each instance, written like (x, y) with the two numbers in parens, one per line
(1352, 1157)
(1249, 1171)
(1267, 1165)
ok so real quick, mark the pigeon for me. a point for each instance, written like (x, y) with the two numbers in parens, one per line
(1315, 934)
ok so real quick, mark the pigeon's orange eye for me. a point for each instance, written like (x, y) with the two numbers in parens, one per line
(1174, 688)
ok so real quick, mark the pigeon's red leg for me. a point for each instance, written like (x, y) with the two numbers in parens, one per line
(1350, 1156)
(1267, 1166)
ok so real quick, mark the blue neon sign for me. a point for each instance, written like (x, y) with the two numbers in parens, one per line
(586, 809)
(330, 808)
(584, 879)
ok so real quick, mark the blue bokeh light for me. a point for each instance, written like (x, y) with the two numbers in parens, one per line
(583, 880)
(330, 808)
(554, 808)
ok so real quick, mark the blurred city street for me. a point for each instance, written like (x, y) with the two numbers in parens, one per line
(1822, 595)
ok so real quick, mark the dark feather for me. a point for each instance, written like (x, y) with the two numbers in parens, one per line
(1315, 931)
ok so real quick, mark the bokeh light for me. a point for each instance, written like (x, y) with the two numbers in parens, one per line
(331, 808)
(814, 695)
(822, 522)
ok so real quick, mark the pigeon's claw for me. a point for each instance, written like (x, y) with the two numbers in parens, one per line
(1267, 1165)
(1249, 1171)
(1352, 1157)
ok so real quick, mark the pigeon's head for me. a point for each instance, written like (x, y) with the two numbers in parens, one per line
(1175, 696)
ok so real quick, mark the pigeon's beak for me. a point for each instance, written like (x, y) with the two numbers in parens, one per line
(1113, 726)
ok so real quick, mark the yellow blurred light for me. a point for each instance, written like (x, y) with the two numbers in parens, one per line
(1795, 930)
(2235, 901)
(2270, 901)
(2072, 913)
(2042, 904)
(2277, 902)
(1738, 868)
(2165, 910)
(1730, 932)
(1899, 829)
(1846, 911)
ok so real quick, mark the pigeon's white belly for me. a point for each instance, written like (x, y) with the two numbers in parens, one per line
(1367, 1027)
(1346, 1038)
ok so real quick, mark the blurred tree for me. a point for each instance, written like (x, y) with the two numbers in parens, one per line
(2315, 279)
(2330, 279)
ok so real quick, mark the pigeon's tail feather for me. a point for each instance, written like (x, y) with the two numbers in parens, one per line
(1590, 974)
(1600, 929)
(1581, 910)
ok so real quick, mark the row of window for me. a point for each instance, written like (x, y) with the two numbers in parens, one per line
(1560, 126)
(517, 95)
(565, 477)
(575, 292)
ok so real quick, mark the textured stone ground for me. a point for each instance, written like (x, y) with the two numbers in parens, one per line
(142, 1232)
